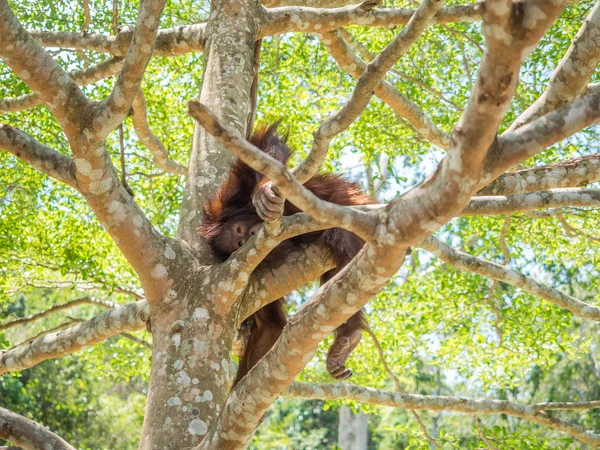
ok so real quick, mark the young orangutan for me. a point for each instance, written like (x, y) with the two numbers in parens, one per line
(231, 218)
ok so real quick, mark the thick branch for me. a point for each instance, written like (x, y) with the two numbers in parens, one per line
(571, 173)
(518, 145)
(310, 3)
(464, 261)
(356, 221)
(349, 62)
(272, 281)
(37, 155)
(57, 308)
(333, 304)
(342, 391)
(27, 434)
(169, 42)
(246, 259)
(373, 72)
(510, 35)
(555, 198)
(570, 77)
(117, 106)
(315, 20)
(82, 77)
(142, 129)
(130, 317)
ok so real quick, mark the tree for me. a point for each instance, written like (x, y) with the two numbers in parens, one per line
(196, 304)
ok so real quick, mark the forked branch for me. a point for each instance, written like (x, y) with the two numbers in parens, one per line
(361, 95)
(328, 213)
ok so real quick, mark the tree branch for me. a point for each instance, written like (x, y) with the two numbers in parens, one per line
(271, 281)
(571, 173)
(169, 42)
(41, 72)
(361, 95)
(570, 77)
(367, 55)
(555, 198)
(60, 327)
(333, 304)
(116, 107)
(27, 434)
(57, 308)
(137, 340)
(343, 391)
(83, 77)
(358, 222)
(518, 145)
(310, 3)
(510, 35)
(402, 105)
(466, 262)
(314, 20)
(150, 141)
(37, 155)
(130, 317)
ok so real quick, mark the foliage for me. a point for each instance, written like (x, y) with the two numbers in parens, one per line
(435, 325)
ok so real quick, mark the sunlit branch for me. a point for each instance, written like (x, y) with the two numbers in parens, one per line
(117, 105)
(361, 95)
(27, 434)
(466, 262)
(149, 139)
(533, 412)
(169, 41)
(24, 55)
(570, 173)
(368, 56)
(82, 77)
(555, 198)
(570, 77)
(356, 221)
(37, 155)
(317, 20)
(518, 145)
(403, 106)
(130, 317)
(271, 281)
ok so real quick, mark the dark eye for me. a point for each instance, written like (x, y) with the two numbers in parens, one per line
(239, 230)
(240, 243)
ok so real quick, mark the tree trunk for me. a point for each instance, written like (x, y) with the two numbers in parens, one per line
(352, 430)
(193, 327)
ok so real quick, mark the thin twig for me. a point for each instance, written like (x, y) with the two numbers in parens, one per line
(115, 17)
(571, 231)
(481, 435)
(490, 296)
(123, 168)
(399, 386)
(137, 340)
(365, 53)
(87, 16)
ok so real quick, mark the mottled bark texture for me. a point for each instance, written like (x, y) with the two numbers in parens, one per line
(196, 304)
(27, 434)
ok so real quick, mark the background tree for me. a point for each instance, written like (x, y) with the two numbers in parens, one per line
(85, 260)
